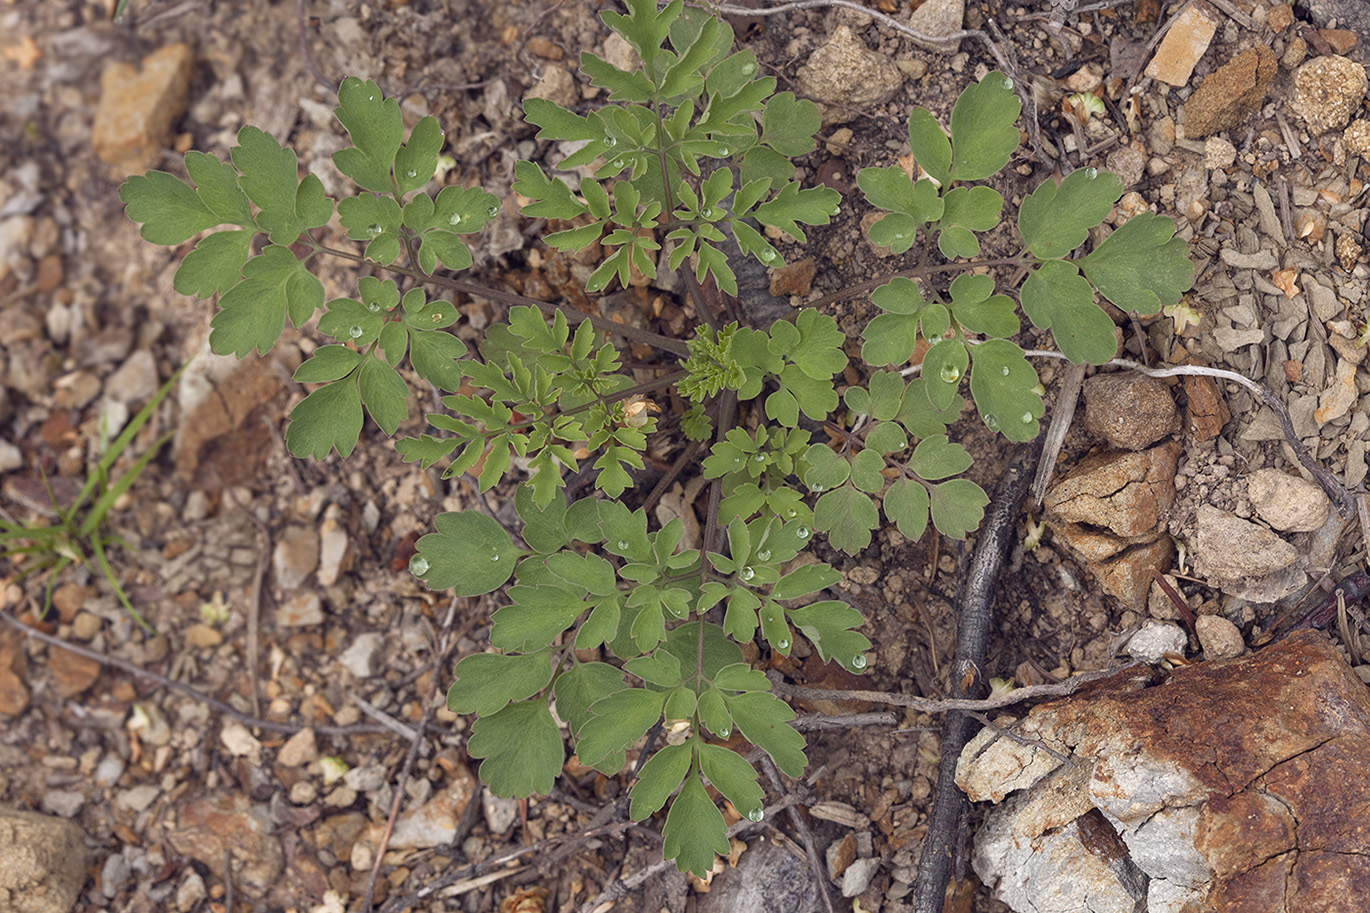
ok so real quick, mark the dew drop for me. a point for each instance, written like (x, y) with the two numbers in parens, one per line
(950, 374)
(934, 339)
(768, 255)
(373, 229)
(836, 210)
(816, 487)
(355, 332)
(492, 211)
(370, 98)
(418, 565)
(411, 173)
(791, 514)
(373, 307)
(454, 219)
(610, 142)
(764, 555)
(724, 732)
(991, 422)
(746, 573)
(1004, 370)
(1007, 84)
(802, 532)
(1026, 418)
(748, 69)
(618, 163)
(623, 543)
(494, 557)
(725, 151)
(858, 661)
(707, 212)
(760, 458)
(755, 814)
(782, 644)
(1091, 173)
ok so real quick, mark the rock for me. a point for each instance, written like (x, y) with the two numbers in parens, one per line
(138, 798)
(1230, 340)
(300, 611)
(1327, 91)
(794, 278)
(42, 862)
(190, 892)
(300, 749)
(1218, 637)
(1247, 561)
(135, 380)
(435, 822)
(1126, 575)
(86, 625)
(360, 658)
(64, 803)
(11, 457)
(1287, 502)
(1231, 94)
(15, 233)
(1340, 396)
(219, 827)
(1218, 153)
(1125, 493)
(203, 636)
(768, 879)
(1155, 640)
(295, 556)
(858, 876)
(1128, 163)
(114, 874)
(1206, 412)
(136, 110)
(1350, 14)
(500, 813)
(1255, 814)
(1182, 46)
(1279, 17)
(71, 674)
(1357, 139)
(840, 854)
(240, 742)
(365, 779)
(938, 17)
(557, 86)
(846, 73)
(333, 556)
(304, 792)
(1263, 259)
(109, 770)
(14, 694)
(1130, 411)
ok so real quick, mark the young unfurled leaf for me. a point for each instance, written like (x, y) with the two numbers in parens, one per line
(848, 517)
(470, 553)
(522, 749)
(486, 682)
(1003, 384)
(1056, 297)
(252, 313)
(374, 125)
(695, 831)
(1142, 266)
(659, 777)
(958, 505)
(983, 135)
(1054, 220)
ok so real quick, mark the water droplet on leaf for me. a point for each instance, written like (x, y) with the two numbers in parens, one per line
(1007, 84)
(1026, 418)
(791, 513)
(492, 211)
(724, 733)
(373, 229)
(746, 573)
(802, 532)
(610, 142)
(494, 557)
(934, 339)
(618, 163)
(782, 644)
(816, 486)
(355, 332)
(764, 555)
(858, 661)
(768, 255)
(623, 543)
(411, 173)
(1091, 173)
(454, 219)
(707, 212)
(1004, 370)
(373, 307)
(760, 458)
(748, 69)
(950, 374)
(725, 151)
(418, 565)
(991, 422)
(755, 814)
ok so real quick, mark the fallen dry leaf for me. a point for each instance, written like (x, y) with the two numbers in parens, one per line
(1286, 280)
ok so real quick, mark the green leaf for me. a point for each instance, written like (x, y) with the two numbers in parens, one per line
(590, 572)
(865, 471)
(906, 503)
(792, 205)
(967, 209)
(659, 777)
(660, 668)
(920, 416)
(694, 831)
(486, 682)
(622, 86)
(215, 265)
(169, 209)
(559, 124)
(348, 320)
(645, 27)
(537, 615)
(954, 242)
(789, 124)
(470, 553)
(1056, 297)
(731, 775)
(435, 356)
(270, 178)
(930, 145)
(328, 363)
(1141, 267)
(813, 343)
(374, 125)
(617, 721)
(329, 417)
(979, 310)
(719, 651)
(828, 625)
(1054, 220)
(804, 581)
(552, 198)
(579, 687)
(957, 507)
(943, 367)
(383, 393)
(417, 159)
(937, 458)
(826, 469)
(217, 185)
(886, 437)
(522, 749)
(763, 719)
(1003, 384)
(983, 135)
(848, 517)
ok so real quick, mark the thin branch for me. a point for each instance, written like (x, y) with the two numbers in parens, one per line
(1061, 417)
(246, 719)
(805, 835)
(306, 53)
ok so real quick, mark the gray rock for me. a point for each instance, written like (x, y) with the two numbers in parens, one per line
(1226, 546)
(64, 803)
(361, 658)
(42, 862)
(332, 546)
(295, 557)
(939, 17)
(365, 779)
(844, 72)
(768, 879)
(114, 873)
(500, 813)
(300, 611)
(137, 798)
(135, 380)
(1230, 340)
(1218, 637)
(1155, 640)
(858, 876)
(190, 892)
(1262, 259)
(1287, 502)
(10, 457)
(1130, 411)
(1350, 14)
(109, 770)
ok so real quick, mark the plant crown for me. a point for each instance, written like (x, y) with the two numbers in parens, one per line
(616, 623)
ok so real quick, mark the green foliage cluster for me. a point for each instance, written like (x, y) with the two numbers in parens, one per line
(621, 627)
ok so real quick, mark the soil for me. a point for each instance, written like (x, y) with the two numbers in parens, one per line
(222, 518)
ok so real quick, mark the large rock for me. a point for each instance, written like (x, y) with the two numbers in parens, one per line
(42, 862)
(137, 109)
(1234, 92)
(1327, 91)
(1287, 502)
(845, 74)
(1237, 786)
(1130, 411)
(1244, 559)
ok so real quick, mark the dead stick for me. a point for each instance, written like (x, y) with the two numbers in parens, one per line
(805, 835)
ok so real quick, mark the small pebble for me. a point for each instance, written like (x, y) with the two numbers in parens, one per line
(1154, 641)
(1218, 637)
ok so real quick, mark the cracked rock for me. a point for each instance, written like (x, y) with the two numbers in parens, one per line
(1130, 411)
(1248, 561)
(1236, 785)
(1287, 502)
(42, 862)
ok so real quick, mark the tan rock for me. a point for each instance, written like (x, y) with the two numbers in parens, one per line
(42, 862)
(230, 828)
(1233, 93)
(300, 749)
(14, 694)
(844, 74)
(1287, 502)
(203, 636)
(1357, 138)
(137, 109)
(1183, 45)
(1227, 547)
(794, 278)
(1327, 91)
(1338, 398)
(1130, 411)
(1219, 638)
(1279, 17)
(1128, 494)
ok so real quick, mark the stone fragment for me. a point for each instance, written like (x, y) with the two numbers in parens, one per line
(14, 694)
(1340, 396)
(135, 380)
(1218, 153)
(71, 673)
(1287, 502)
(300, 749)
(1156, 639)
(136, 110)
(1206, 412)
(1218, 637)
(138, 798)
(203, 636)
(190, 892)
(1128, 163)
(223, 439)
(500, 812)
(114, 873)
(840, 854)
(64, 803)
(1183, 45)
(557, 86)
(858, 876)
(1327, 91)
(1127, 575)
(333, 542)
(846, 74)
(240, 742)
(11, 457)
(1230, 548)
(295, 556)
(1130, 411)
(767, 878)
(230, 827)
(42, 862)
(435, 822)
(936, 18)
(361, 657)
(1231, 94)
(1295, 53)
(1357, 138)
(1127, 494)
(1350, 14)
(1263, 259)
(1279, 17)
(1341, 41)
(794, 278)
(1260, 812)
(300, 611)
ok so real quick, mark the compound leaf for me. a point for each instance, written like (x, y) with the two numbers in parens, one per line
(1056, 219)
(216, 183)
(828, 625)
(470, 552)
(270, 178)
(486, 682)
(537, 615)
(435, 355)
(793, 204)
(694, 831)
(944, 364)
(982, 132)
(252, 313)
(328, 363)
(383, 393)
(803, 581)
(1056, 297)
(1142, 266)
(522, 749)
